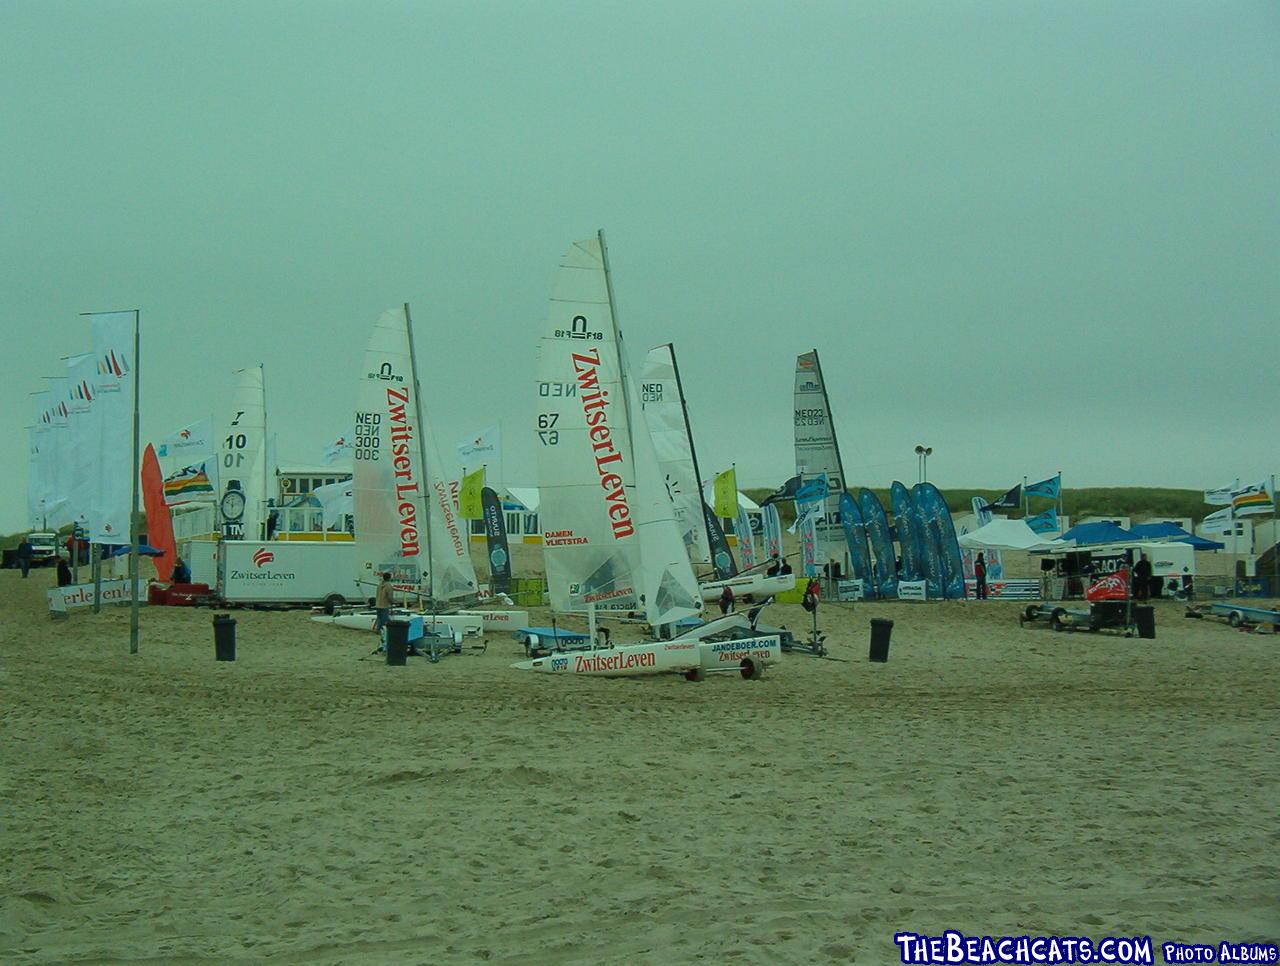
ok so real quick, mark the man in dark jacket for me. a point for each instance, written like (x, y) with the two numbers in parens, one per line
(24, 556)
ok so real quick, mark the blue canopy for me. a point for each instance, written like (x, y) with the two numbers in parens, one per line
(1173, 532)
(1090, 533)
(120, 549)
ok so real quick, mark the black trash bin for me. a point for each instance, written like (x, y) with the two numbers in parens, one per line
(880, 631)
(397, 641)
(224, 637)
(1144, 618)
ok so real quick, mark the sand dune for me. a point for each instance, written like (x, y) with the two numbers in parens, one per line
(306, 804)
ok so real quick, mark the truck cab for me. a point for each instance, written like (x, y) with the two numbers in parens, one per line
(44, 548)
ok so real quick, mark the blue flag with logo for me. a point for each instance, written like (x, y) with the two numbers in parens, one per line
(1049, 488)
(812, 490)
(1046, 522)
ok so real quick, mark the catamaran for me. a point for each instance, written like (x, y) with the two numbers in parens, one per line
(406, 521)
(662, 394)
(610, 541)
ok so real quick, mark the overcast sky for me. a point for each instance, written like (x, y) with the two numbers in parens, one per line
(1032, 235)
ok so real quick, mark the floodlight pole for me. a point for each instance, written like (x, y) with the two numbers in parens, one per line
(135, 541)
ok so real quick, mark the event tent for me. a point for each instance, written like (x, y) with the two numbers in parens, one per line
(1172, 532)
(1085, 534)
(1002, 534)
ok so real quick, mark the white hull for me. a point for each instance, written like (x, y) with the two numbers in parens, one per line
(658, 657)
(756, 585)
(460, 624)
(499, 620)
(632, 660)
(726, 655)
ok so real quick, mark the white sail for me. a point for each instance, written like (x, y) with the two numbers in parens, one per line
(586, 471)
(404, 514)
(669, 585)
(452, 574)
(818, 453)
(242, 456)
(664, 408)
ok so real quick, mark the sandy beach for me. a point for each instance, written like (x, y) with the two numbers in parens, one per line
(310, 804)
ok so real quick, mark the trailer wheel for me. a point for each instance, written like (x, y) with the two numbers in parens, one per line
(1235, 618)
(1031, 613)
(695, 674)
(333, 602)
(752, 669)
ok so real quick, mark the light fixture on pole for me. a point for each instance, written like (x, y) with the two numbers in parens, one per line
(922, 461)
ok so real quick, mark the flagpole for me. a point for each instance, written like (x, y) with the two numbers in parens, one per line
(1275, 543)
(135, 543)
(1059, 501)
(422, 461)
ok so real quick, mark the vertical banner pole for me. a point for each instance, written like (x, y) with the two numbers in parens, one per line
(1275, 544)
(135, 548)
(95, 554)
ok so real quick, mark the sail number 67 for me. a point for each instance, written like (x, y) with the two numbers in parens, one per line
(546, 431)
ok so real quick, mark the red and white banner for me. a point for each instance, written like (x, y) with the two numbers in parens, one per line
(1114, 586)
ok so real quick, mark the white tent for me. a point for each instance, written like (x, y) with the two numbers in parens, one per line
(1002, 534)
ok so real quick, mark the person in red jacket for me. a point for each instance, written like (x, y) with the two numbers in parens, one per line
(980, 577)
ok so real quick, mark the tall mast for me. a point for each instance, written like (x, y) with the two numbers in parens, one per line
(422, 456)
(623, 375)
(266, 448)
(835, 445)
(693, 450)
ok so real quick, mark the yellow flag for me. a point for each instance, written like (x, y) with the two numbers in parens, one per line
(726, 494)
(470, 502)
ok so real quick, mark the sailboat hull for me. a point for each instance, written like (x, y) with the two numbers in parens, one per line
(729, 655)
(755, 585)
(632, 660)
(659, 657)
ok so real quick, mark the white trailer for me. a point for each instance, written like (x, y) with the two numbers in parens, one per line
(288, 572)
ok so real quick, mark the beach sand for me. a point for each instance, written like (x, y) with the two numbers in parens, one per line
(309, 804)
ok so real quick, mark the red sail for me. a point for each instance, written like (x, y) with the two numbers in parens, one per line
(159, 523)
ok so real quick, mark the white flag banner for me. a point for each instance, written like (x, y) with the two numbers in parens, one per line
(1217, 524)
(341, 449)
(336, 501)
(60, 511)
(1252, 499)
(1221, 496)
(193, 440)
(482, 450)
(113, 407)
(35, 497)
(48, 501)
(82, 437)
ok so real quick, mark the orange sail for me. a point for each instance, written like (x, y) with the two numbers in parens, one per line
(159, 523)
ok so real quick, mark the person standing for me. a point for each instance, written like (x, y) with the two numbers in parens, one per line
(24, 556)
(64, 572)
(1142, 577)
(726, 600)
(382, 602)
(980, 577)
(181, 572)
